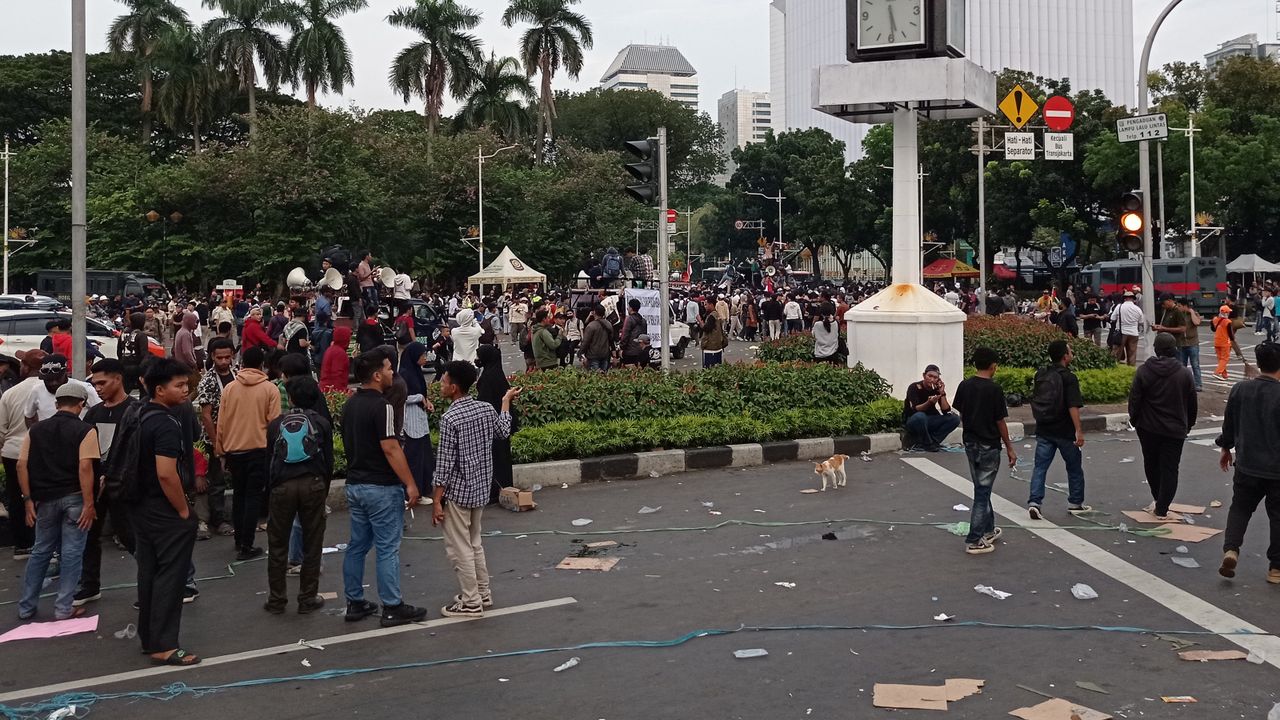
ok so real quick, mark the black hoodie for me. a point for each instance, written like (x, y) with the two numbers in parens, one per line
(1162, 400)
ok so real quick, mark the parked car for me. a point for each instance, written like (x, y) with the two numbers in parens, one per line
(24, 330)
(31, 302)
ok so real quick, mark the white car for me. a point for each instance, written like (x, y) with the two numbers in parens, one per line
(24, 330)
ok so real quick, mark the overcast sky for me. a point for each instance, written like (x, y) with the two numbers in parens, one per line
(727, 40)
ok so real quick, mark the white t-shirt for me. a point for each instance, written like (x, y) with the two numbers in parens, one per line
(519, 312)
(791, 310)
(1130, 318)
(41, 405)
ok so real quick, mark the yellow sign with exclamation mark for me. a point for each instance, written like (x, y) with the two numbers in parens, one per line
(1019, 107)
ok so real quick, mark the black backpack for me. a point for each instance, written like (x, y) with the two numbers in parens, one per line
(121, 469)
(1047, 395)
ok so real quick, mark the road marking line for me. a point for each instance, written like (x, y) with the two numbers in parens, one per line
(50, 690)
(1198, 432)
(1191, 607)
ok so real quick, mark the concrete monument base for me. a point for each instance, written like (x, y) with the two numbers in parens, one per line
(903, 328)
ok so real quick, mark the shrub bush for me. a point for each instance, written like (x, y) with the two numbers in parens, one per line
(789, 348)
(1099, 387)
(1023, 342)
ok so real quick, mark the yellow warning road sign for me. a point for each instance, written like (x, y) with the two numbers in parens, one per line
(1019, 107)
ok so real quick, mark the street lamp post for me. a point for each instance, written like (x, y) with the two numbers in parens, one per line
(6, 155)
(165, 220)
(778, 200)
(79, 200)
(480, 158)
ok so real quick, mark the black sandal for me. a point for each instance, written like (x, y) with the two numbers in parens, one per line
(177, 658)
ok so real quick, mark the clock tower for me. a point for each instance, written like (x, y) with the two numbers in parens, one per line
(904, 29)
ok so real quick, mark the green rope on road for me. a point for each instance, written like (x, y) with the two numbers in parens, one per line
(230, 573)
(86, 700)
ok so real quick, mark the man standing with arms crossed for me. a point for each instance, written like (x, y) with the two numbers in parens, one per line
(464, 473)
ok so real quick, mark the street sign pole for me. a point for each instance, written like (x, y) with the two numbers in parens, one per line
(983, 290)
(79, 231)
(664, 262)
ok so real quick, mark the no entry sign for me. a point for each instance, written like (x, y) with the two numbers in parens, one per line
(1059, 113)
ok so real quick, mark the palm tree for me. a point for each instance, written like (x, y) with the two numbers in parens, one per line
(190, 84)
(490, 101)
(556, 40)
(138, 33)
(317, 55)
(445, 57)
(243, 37)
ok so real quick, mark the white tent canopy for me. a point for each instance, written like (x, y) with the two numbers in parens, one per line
(507, 269)
(1251, 264)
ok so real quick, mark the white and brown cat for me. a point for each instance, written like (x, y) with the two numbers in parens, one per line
(832, 472)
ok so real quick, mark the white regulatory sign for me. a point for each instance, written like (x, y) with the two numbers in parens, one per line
(1143, 127)
(1019, 146)
(1059, 146)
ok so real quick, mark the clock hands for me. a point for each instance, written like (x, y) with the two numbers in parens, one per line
(893, 24)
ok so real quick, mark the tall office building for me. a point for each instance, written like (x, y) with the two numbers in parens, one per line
(654, 67)
(1088, 41)
(1244, 46)
(745, 117)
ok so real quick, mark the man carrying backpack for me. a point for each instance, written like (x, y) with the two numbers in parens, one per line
(1056, 403)
(300, 447)
(611, 266)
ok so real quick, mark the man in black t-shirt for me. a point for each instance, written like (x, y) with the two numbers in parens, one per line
(164, 521)
(1092, 315)
(1060, 431)
(926, 414)
(982, 407)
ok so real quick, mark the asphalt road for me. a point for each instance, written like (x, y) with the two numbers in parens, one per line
(887, 566)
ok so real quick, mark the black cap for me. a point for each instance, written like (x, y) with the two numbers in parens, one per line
(1166, 296)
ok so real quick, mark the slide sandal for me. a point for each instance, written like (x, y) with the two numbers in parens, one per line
(178, 658)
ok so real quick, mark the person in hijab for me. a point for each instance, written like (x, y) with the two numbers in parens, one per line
(466, 337)
(490, 388)
(335, 366)
(254, 335)
(417, 419)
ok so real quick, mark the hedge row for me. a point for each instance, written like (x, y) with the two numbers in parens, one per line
(1024, 342)
(1099, 387)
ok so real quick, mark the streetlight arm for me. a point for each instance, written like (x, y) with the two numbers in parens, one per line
(1145, 64)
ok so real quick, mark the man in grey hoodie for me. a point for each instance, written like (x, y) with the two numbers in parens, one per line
(1162, 408)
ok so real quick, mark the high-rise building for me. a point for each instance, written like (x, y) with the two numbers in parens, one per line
(1088, 41)
(1243, 46)
(745, 117)
(654, 67)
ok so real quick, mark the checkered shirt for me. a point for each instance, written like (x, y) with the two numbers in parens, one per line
(464, 462)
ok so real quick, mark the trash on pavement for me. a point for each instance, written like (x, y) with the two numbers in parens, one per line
(1059, 709)
(1187, 533)
(961, 507)
(750, 653)
(1215, 504)
(1091, 687)
(306, 662)
(809, 491)
(866, 456)
(1142, 516)
(1126, 460)
(1186, 562)
(587, 563)
(536, 487)
(943, 617)
(308, 643)
(601, 545)
(646, 510)
(988, 590)
(129, 632)
(959, 529)
(571, 663)
(714, 512)
(581, 522)
(329, 595)
(829, 536)
(785, 584)
(1083, 592)
(63, 713)
(1187, 509)
(925, 697)
(1182, 549)
(708, 504)
(1177, 642)
(655, 474)
(516, 500)
(1178, 699)
(1207, 655)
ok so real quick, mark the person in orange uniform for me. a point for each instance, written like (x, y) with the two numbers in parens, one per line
(1224, 336)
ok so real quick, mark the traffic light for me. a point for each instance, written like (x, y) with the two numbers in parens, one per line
(646, 171)
(1132, 222)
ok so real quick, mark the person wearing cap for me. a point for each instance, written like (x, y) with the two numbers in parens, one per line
(1162, 409)
(13, 432)
(41, 403)
(926, 412)
(1132, 323)
(57, 495)
(1224, 337)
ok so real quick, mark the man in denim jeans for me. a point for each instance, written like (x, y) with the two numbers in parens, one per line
(57, 493)
(1056, 403)
(378, 483)
(982, 408)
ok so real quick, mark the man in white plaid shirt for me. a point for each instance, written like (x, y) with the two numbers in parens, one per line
(464, 474)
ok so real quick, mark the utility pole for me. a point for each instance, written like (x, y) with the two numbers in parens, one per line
(480, 158)
(1160, 186)
(6, 156)
(79, 257)
(982, 215)
(1194, 233)
(664, 262)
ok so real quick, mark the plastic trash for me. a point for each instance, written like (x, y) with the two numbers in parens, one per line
(943, 617)
(129, 632)
(306, 662)
(654, 474)
(1126, 460)
(760, 652)
(571, 663)
(961, 507)
(70, 712)
(988, 590)
(341, 546)
(785, 584)
(1182, 549)
(646, 510)
(536, 487)
(1083, 592)
(1186, 562)
(708, 504)
(866, 456)
(581, 522)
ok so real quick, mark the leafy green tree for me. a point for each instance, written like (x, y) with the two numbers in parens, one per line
(243, 38)
(499, 99)
(317, 56)
(555, 41)
(1178, 82)
(34, 90)
(190, 87)
(138, 34)
(446, 58)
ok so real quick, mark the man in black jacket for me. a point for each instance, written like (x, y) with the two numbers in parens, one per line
(1162, 408)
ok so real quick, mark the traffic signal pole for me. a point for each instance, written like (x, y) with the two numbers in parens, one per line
(664, 261)
(79, 230)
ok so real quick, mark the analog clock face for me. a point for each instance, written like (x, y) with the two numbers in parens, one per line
(890, 23)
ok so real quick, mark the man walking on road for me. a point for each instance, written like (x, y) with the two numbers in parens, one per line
(1056, 403)
(1250, 428)
(248, 405)
(464, 473)
(1129, 318)
(378, 484)
(982, 408)
(1162, 408)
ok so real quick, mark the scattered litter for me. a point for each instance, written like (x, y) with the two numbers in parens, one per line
(587, 563)
(808, 491)
(57, 628)
(758, 510)
(1035, 692)
(1083, 592)
(328, 596)
(654, 474)
(785, 584)
(536, 487)
(1207, 655)
(571, 663)
(714, 512)
(521, 537)
(1143, 516)
(330, 551)
(988, 590)
(1187, 509)
(829, 536)
(312, 645)
(581, 522)
(1187, 533)
(646, 510)
(1215, 504)
(925, 697)
(63, 713)
(1091, 687)
(943, 617)
(1178, 643)
(503, 680)
(1186, 562)
(1027, 446)
(708, 504)
(866, 456)
(602, 544)
(129, 632)
(961, 507)
(960, 529)
(751, 653)
(1178, 699)
(306, 662)
(563, 486)
(1188, 520)
(1058, 709)
(1182, 549)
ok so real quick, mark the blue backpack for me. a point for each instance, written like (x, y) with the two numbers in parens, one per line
(298, 442)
